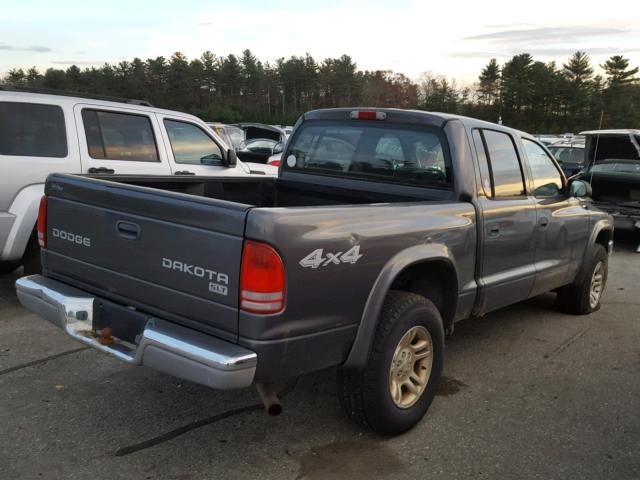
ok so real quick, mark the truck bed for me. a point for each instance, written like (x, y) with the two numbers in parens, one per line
(171, 246)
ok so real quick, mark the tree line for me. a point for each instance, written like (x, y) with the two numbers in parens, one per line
(522, 92)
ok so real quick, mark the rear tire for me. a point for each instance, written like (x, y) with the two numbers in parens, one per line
(584, 297)
(393, 391)
(31, 259)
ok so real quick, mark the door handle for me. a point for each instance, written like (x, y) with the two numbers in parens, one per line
(543, 222)
(184, 172)
(101, 170)
(128, 230)
(494, 229)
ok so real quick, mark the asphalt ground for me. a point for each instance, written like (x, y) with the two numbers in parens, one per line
(528, 393)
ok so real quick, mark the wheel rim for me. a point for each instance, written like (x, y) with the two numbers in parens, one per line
(411, 367)
(597, 285)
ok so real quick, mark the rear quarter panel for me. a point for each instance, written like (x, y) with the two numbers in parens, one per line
(334, 295)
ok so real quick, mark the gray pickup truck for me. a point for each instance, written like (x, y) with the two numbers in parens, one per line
(383, 228)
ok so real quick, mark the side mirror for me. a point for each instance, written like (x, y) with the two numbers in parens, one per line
(579, 189)
(232, 158)
(278, 148)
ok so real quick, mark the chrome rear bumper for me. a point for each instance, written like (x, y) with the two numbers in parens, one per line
(163, 346)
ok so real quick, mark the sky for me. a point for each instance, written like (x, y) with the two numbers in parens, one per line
(454, 39)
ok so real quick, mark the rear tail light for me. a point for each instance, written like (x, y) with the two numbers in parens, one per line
(275, 163)
(262, 279)
(367, 115)
(42, 222)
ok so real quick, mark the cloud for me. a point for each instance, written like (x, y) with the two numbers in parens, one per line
(590, 51)
(33, 48)
(476, 54)
(547, 34)
(543, 52)
(98, 44)
(76, 62)
(510, 25)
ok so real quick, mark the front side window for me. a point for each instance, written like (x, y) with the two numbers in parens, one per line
(191, 145)
(372, 151)
(32, 130)
(119, 136)
(505, 166)
(547, 181)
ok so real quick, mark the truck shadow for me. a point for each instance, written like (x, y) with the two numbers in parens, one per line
(311, 406)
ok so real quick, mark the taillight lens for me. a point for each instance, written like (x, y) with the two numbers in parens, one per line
(42, 222)
(262, 279)
(275, 163)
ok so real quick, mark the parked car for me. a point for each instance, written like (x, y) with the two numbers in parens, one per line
(261, 142)
(570, 156)
(362, 262)
(235, 137)
(44, 133)
(231, 134)
(548, 139)
(613, 170)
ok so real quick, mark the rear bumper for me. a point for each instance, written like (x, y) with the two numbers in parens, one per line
(162, 345)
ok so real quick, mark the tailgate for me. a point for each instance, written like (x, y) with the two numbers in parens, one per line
(170, 254)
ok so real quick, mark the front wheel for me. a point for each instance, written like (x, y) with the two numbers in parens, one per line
(585, 297)
(396, 387)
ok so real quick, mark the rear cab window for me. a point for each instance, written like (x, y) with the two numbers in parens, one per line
(32, 130)
(391, 153)
(119, 136)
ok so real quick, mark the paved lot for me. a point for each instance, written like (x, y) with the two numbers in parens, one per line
(529, 393)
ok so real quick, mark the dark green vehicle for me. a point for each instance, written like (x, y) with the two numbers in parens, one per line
(383, 229)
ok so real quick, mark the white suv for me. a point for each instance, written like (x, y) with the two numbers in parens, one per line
(45, 133)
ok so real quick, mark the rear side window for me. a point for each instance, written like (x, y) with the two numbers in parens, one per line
(485, 174)
(32, 130)
(119, 136)
(372, 151)
(504, 164)
(191, 145)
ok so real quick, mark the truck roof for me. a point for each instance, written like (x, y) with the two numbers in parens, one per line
(409, 116)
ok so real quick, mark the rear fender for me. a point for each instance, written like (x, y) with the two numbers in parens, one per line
(395, 266)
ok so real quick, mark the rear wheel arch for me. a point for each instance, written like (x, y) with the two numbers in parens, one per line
(434, 279)
(601, 234)
(426, 270)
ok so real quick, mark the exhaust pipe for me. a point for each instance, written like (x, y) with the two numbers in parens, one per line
(269, 398)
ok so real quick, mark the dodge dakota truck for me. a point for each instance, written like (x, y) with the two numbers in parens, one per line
(383, 228)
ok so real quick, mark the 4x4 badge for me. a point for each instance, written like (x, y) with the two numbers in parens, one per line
(317, 258)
